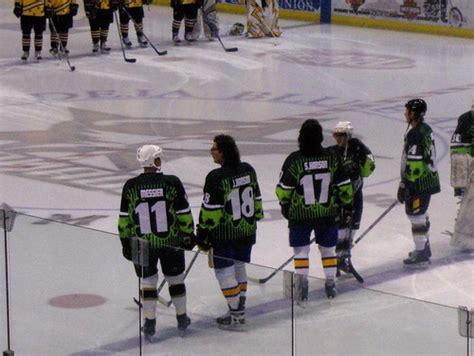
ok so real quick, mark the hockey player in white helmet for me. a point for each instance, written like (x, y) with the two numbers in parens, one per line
(462, 178)
(359, 163)
(155, 208)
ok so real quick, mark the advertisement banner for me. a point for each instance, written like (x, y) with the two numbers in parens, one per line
(450, 13)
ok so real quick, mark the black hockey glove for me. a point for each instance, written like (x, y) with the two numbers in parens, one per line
(203, 239)
(285, 208)
(346, 217)
(189, 241)
(458, 192)
(403, 193)
(48, 12)
(73, 9)
(17, 10)
(126, 248)
(146, 2)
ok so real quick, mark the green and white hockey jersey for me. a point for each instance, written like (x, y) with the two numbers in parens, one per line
(462, 140)
(418, 168)
(232, 205)
(314, 187)
(155, 207)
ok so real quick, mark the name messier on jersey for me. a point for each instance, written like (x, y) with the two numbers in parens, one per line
(238, 182)
(309, 166)
(151, 193)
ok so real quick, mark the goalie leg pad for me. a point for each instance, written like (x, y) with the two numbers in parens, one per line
(460, 170)
(463, 235)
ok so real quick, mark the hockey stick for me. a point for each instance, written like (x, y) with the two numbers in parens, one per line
(162, 300)
(61, 47)
(376, 222)
(264, 280)
(128, 60)
(215, 31)
(348, 258)
(160, 53)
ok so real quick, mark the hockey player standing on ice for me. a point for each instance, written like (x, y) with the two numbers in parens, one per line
(313, 188)
(134, 8)
(100, 15)
(63, 12)
(231, 207)
(262, 18)
(187, 10)
(207, 16)
(154, 207)
(358, 163)
(32, 14)
(462, 178)
(419, 179)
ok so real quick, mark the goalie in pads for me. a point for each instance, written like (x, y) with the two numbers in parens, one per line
(462, 178)
(262, 18)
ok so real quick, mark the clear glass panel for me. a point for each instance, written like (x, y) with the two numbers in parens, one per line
(3, 309)
(362, 321)
(268, 317)
(71, 291)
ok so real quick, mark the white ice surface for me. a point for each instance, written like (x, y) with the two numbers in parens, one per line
(68, 140)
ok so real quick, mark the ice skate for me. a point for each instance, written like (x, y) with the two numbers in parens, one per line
(301, 290)
(126, 41)
(235, 322)
(417, 258)
(427, 250)
(95, 48)
(64, 52)
(142, 41)
(176, 39)
(330, 287)
(25, 55)
(149, 328)
(343, 264)
(189, 37)
(225, 319)
(53, 51)
(38, 55)
(183, 322)
(104, 49)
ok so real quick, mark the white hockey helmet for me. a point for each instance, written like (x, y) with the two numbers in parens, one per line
(343, 127)
(147, 154)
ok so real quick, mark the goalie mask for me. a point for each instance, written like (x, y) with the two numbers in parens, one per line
(343, 127)
(147, 154)
(237, 29)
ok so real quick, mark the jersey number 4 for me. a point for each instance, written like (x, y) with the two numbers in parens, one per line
(157, 211)
(316, 188)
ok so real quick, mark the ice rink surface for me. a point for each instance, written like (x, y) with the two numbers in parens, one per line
(68, 143)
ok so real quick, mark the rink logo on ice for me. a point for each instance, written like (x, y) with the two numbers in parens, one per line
(347, 59)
